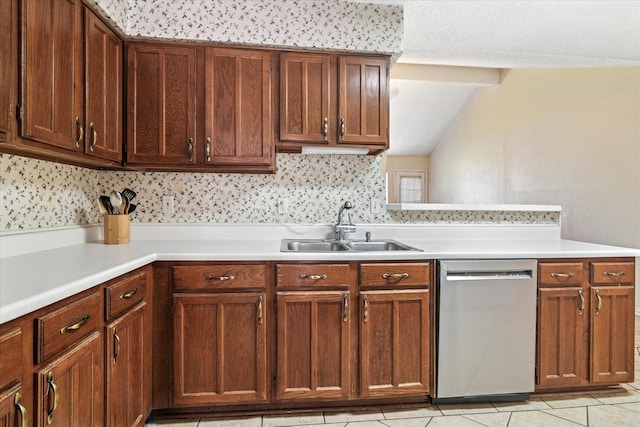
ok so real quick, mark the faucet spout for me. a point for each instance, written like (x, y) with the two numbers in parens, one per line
(342, 229)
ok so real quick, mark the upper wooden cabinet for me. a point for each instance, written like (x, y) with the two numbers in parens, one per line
(8, 66)
(232, 131)
(161, 105)
(238, 108)
(103, 90)
(329, 100)
(71, 100)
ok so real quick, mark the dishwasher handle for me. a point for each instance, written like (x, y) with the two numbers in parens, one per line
(488, 275)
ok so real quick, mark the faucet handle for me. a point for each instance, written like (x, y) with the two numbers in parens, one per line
(367, 236)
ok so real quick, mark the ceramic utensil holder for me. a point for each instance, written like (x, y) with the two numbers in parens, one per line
(116, 229)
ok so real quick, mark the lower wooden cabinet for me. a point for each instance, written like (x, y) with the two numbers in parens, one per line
(69, 390)
(313, 345)
(127, 364)
(220, 348)
(586, 325)
(12, 411)
(394, 342)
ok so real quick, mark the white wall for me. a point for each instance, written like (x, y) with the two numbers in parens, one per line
(559, 136)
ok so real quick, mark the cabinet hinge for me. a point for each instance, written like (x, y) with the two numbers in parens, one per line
(19, 112)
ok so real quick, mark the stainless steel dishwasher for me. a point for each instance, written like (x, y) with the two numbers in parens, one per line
(486, 330)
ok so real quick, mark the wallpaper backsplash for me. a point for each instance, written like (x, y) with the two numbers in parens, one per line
(322, 24)
(39, 194)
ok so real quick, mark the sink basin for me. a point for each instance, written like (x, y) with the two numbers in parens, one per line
(318, 245)
(379, 245)
(312, 246)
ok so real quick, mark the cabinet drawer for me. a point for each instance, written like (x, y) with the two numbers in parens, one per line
(613, 273)
(312, 275)
(223, 276)
(560, 273)
(382, 274)
(10, 356)
(63, 327)
(125, 293)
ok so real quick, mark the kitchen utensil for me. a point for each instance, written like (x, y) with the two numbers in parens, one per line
(101, 208)
(129, 193)
(126, 202)
(106, 202)
(116, 202)
(132, 207)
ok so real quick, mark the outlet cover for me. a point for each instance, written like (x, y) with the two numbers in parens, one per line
(167, 205)
(283, 206)
(375, 205)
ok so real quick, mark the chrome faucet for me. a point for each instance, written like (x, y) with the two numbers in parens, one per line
(343, 229)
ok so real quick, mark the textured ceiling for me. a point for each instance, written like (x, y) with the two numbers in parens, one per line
(499, 34)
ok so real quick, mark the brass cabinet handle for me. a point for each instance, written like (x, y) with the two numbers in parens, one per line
(567, 275)
(94, 136)
(342, 127)
(325, 129)
(80, 131)
(208, 146)
(190, 150)
(17, 401)
(365, 317)
(598, 302)
(397, 276)
(129, 294)
(580, 302)
(52, 387)
(116, 344)
(613, 273)
(345, 307)
(75, 326)
(313, 276)
(220, 278)
(260, 317)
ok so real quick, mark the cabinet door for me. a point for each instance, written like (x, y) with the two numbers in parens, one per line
(238, 102)
(305, 112)
(394, 342)
(12, 412)
(69, 390)
(313, 341)
(161, 102)
(612, 334)
(52, 76)
(563, 323)
(8, 66)
(128, 362)
(103, 89)
(363, 106)
(220, 348)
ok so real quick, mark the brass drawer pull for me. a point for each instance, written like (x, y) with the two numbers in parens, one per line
(342, 127)
(558, 275)
(52, 387)
(220, 278)
(598, 303)
(581, 302)
(75, 326)
(128, 295)
(208, 146)
(94, 137)
(397, 276)
(190, 150)
(80, 131)
(260, 317)
(613, 273)
(116, 342)
(325, 129)
(23, 411)
(313, 276)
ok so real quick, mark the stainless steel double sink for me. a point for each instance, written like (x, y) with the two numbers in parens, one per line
(319, 245)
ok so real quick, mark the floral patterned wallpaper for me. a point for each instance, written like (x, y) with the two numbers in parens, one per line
(39, 194)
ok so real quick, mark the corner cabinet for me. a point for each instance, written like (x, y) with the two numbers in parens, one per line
(585, 323)
(71, 80)
(333, 100)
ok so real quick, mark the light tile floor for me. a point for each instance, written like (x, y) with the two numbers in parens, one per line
(620, 409)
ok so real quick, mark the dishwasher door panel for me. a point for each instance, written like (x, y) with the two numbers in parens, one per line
(486, 332)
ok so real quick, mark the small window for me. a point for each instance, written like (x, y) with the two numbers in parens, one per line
(411, 186)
